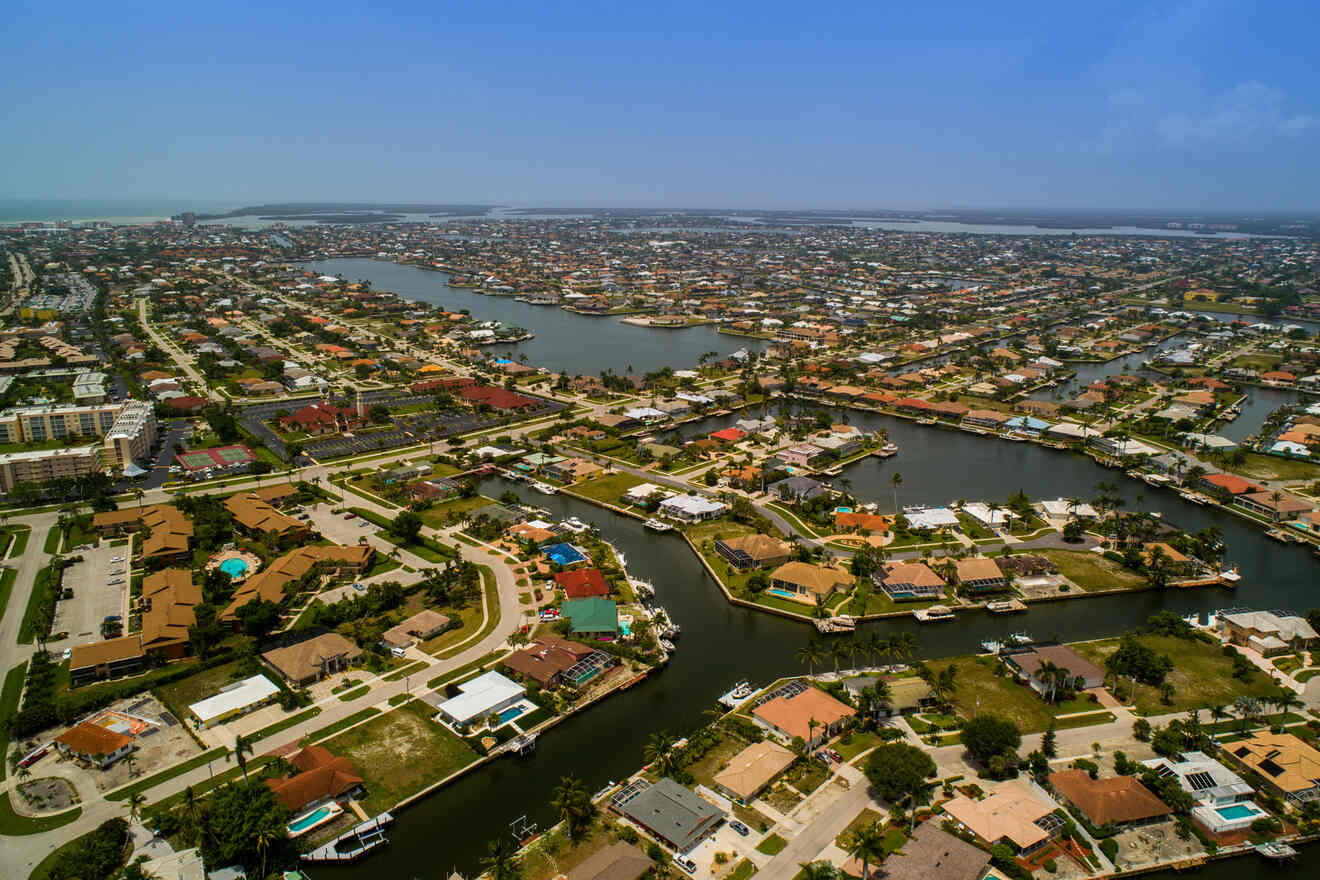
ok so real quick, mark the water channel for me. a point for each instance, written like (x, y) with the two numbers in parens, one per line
(565, 341)
(721, 644)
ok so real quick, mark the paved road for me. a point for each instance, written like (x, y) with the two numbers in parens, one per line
(180, 359)
(808, 843)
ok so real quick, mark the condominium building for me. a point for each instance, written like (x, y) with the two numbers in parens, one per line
(42, 465)
(128, 428)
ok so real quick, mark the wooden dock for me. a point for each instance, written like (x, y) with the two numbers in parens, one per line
(1009, 606)
(353, 844)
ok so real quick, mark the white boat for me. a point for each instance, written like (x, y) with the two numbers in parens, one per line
(992, 647)
(1276, 850)
(658, 525)
(887, 450)
(544, 488)
(667, 645)
(575, 525)
(1230, 575)
(642, 588)
(934, 614)
(738, 694)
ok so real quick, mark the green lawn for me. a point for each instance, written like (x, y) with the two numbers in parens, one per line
(183, 693)
(1202, 676)
(152, 781)
(1091, 571)
(772, 845)
(350, 696)
(1269, 467)
(342, 724)
(291, 721)
(14, 825)
(42, 586)
(12, 690)
(858, 742)
(608, 488)
(21, 535)
(865, 819)
(400, 753)
(978, 689)
(53, 538)
(7, 578)
(744, 870)
(446, 513)
(456, 640)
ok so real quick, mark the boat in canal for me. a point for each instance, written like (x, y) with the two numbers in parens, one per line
(934, 614)
(889, 450)
(1276, 850)
(1230, 576)
(836, 625)
(1006, 606)
(737, 695)
(658, 525)
(543, 488)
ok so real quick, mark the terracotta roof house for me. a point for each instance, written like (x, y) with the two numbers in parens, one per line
(1284, 507)
(313, 659)
(910, 581)
(753, 551)
(171, 531)
(808, 581)
(933, 854)
(1287, 764)
(864, 522)
(321, 417)
(791, 716)
(546, 660)
(321, 776)
(1120, 800)
(618, 861)
(1230, 483)
(751, 770)
(1013, 814)
(582, 583)
(94, 744)
(979, 574)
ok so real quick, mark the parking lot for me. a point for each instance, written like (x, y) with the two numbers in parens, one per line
(95, 595)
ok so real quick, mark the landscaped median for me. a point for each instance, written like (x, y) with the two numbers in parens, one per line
(456, 641)
(426, 548)
(292, 721)
(14, 825)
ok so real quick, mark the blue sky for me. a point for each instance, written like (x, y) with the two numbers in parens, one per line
(1199, 105)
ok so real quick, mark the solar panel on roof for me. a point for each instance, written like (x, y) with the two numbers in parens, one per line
(1165, 771)
(1200, 781)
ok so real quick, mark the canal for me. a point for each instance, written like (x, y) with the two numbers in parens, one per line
(564, 341)
(721, 644)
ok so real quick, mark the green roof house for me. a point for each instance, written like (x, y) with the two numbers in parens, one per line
(593, 616)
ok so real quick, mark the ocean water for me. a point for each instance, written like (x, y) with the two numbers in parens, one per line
(18, 210)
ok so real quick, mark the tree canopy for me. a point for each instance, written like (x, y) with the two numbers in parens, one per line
(898, 769)
(986, 736)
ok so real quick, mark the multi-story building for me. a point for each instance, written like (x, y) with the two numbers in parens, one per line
(128, 429)
(43, 465)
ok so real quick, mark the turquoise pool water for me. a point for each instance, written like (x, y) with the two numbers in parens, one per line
(510, 714)
(1236, 811)
(317, 815)
(783, 594)
(625, 627)
(234, 567)
(843, 510)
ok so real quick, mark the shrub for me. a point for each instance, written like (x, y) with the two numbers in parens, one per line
(1049, 865)
(1109, 847)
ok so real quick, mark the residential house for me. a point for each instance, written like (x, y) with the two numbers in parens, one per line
(1121, 801)
(425, 624)
(979, 574)
(749, 772)
(618, 861)
(314, 659)
(94, 744)
(1027, 661)
(806, 581)
(318, 776)
(675, 815)
(931, 854)
(548, 660)
(692, 508)
(903, 581)
(810, 713)
(1014, 815)
(592, 617)
(1267, 632)
(753, 551)
(582, 583)
(1289, 766)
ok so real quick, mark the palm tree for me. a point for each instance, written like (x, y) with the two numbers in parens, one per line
(136, 801)
(876, 646)
(811, 654)
(817, 871)
(896, 480)
(867, 845)
(130, 760)
(572, 803)
(242, 748)
(656, 751)
(264, 837)
(905, 646)
(138, 493)
(501, 860)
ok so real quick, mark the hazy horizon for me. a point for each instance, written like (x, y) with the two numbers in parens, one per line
(1200, 106)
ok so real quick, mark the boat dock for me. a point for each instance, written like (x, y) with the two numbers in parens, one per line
(836, 625)
(1006, 606)
(354, 844)
(934, 614)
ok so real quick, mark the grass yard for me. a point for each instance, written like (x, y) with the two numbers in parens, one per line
(744, 870)
(7, 578)
(449, 642)
(207, 683)
(705, 768)
(858, 742)
(807, 776)
(608, 488)
(772, 845)
(998, 695)
(446, 513)
(1091, 571)
(782, 798)
(865, 819)
(1269, 467)
(400, 753)
(1202, 676)
(14, 825)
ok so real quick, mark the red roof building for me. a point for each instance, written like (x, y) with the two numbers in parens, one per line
(321, 775)
(582, 583)
(729, 435)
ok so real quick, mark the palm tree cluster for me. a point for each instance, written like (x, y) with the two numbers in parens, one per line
(895, 649)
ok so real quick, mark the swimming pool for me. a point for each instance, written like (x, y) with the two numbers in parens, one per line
(625, 627)
(843, 510)
(234, 567)
(1237, 811)
(510, 713)
(783, 594)
(319, 816)
(565, 554)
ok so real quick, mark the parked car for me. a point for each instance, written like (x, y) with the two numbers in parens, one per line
(739, 827)
(686, 864)
(350, 516)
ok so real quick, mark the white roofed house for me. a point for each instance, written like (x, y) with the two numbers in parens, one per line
(233, 700)
(692, 508)
(1267, 632)
(486, 695)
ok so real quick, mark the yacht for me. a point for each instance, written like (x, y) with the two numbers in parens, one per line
(543, 488)
(737, 695)
(658, 525)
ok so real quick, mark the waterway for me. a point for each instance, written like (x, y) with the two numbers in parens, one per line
(1260, 403)
(564, 341)
(721, 644)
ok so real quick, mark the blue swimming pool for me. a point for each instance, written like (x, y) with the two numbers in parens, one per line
(1237, 811)
(510, 714)
(320, 814)
(783, 594)
(565, 554)
(234, 567)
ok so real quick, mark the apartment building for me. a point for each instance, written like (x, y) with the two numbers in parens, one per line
(128, 429)
(42, 465)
